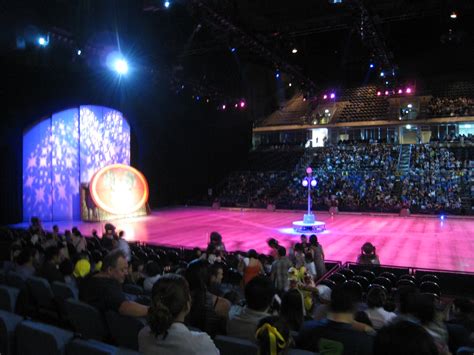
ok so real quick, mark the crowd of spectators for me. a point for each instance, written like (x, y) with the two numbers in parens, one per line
(270, 300)
(361, 177)
(445, 107)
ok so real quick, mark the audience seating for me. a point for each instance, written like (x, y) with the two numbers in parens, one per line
(62, 292)
(94, 347)
(39, 339)
(42, 295)
(86, 320)
(14, 279)
(8, 298)
(235, 346)
(8, 324)
(133, 289)
(124, 330)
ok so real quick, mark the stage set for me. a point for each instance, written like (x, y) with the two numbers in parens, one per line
(76, 173)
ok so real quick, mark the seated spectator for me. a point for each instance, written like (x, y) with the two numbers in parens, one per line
(50, 268)
(336, 334)
(253, 267)
(292, 311)
(273, 336)
(243, 321)
(216, 274)
(136, 274)
(321, 308)
(153, 271)
(279, 271)
(405, 338)
(24, 263)
(216, 242)
(78, 241)
(104, 289)
(208, 312)
(166, 332)
(377, 314)
(367, 255)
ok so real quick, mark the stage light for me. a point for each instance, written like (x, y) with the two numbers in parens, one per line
(167, 4)
(305, 183)
(409, 105)
(386, 92)
(277, 74)
(408, 126)
(223, 107)
(121, 66)
(294, 51)
(325, 97)
(442, 217)
(386, 83)
(371, 65)
(198, 98)
(313, 183)
(379, 93)
(382, 74)
(242, 104)
(400, 91)
(43, 41)
(304, 98)
(233, 49)
(309, 170)
(79, 52)
(207, 100)
(333, 95)
(408, 90)
(236, 105)
(326, 111)
(453, 15)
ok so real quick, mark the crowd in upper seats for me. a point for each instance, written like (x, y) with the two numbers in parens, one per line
(362, 177)
(445, 107)
(273, 301)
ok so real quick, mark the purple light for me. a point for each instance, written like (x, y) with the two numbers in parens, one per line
(305, 183)
(236, 105)
(379, 93)
(408, 90)
(333, 95)
(242, 104)
(400, 91)
(309, 170)
(386, 92)
(325, 97)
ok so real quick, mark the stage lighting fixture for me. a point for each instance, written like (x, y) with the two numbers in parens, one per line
(386, 92)
(79, 52)
(223, 107)
(242, 104)
(167, 4)
(332, 96)
(408, 90)
(289, 84)
(371, 65)
(233, 49)
(313, 183)
(386, 82)
(305, 183)
(379, 93)
(277, 74)
(198, 98)
(442, 217)
(325, 97)
(408, 126)
(294, 51)
(382, 74)
(43, 41)
(121, 66)
(236, 105)
(409, 105)
(400, 91)
(453, 15)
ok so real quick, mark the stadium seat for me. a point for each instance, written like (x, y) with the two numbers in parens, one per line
(348, 273)
(405, 282)
(38, 339)
(389, 275)
(369, 275)
(362, 280)
(8, 298)
(86, 320)
(430, 287)
(337, 278)
(94, 347)
(407, 277)
(14, 279)
(430, 277)
(329, 283)
(383, 281)
(42, 295)
(124, 330)
(62, 292)
(8, 324)
(235, 346)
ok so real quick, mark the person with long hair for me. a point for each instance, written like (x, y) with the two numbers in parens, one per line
(273, 336)
(166, 332)
(292, 310)
(318, 255)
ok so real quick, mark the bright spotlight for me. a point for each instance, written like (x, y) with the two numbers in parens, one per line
(453, 15)
(294, 51)
(408, 90)
(223, 107)
(289, 84)
(277, 75)
(305, 183)
(121, 66)
(332, 96)
(409, 105)
(442, 217)
(371, 65)
(379, 93)
(382, 74)
(79, 52)
(386, 92)
(43, 41)
(408, 126)
(313, 183)
(233, 49)
(167, 4)
(400, 91)
(325, 97)
(242, 104)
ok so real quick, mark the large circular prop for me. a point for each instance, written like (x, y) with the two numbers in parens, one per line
(119, 189)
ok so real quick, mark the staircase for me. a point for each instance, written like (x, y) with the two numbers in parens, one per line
(404, 159)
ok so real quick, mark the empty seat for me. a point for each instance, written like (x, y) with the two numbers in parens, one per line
(62, 292)
(42, 294)
(430, 287)
(123, 329)
(405, 282)
(38, 339)
(235, 346)
(430, 277)
(8, 298)
(407, 277)
(94, 347)
(8, 324)
(85, 319)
